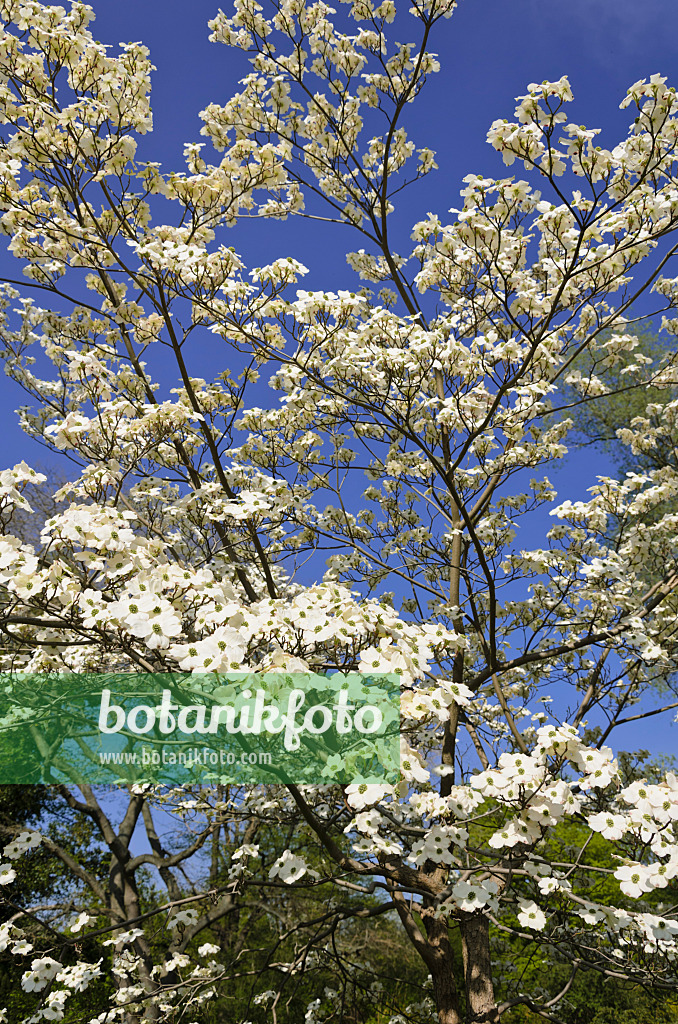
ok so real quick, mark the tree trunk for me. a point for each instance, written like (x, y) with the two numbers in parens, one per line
(440, 962)
(124, 903)
(481, 1007)
(435, 950)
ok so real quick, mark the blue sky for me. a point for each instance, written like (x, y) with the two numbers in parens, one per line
(489, 51)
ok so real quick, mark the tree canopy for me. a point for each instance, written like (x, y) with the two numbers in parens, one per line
(359, 486)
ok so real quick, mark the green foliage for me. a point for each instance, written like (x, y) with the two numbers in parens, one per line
(629, 396)
(43, 881)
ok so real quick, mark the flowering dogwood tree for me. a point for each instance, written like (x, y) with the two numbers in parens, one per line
(365, 516)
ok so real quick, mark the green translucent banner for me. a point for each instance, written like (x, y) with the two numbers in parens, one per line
(176, 729)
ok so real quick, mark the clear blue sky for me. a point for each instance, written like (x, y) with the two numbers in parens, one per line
(489, 51)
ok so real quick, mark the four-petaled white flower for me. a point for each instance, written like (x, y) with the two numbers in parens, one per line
(208, 949)
(633, 879)
(362, 794)
(611, 826)
(530, 915)
(21, 844)
(43, 969)
(471, 896)
(7, 874)
(289, 868)
(80, 921)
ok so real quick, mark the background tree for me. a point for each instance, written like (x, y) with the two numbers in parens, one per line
(625, 399)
